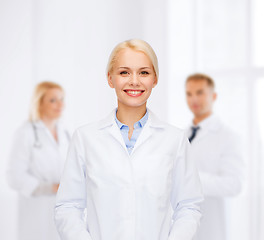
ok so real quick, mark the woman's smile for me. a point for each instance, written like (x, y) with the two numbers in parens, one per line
(134, 92)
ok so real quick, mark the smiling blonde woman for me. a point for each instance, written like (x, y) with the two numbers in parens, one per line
(129, 172)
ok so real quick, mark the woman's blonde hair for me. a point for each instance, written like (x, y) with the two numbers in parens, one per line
(137, 45)
(37, 98)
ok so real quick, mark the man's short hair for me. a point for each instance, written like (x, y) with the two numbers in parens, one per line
(201, 76)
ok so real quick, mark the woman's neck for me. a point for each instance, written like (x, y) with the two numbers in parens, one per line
(51, 125)
(130, 115)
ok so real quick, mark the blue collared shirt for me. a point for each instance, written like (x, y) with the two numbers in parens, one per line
(138, 126)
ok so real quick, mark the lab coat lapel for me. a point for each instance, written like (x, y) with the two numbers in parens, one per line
(144, 135)
(115, 132)
(148, 130)
(40, 125)
(110, 125)
(211, 124)
(200, 135)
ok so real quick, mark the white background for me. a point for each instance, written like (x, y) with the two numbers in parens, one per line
(69, 42)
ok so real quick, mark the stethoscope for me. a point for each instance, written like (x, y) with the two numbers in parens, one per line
(37, 143)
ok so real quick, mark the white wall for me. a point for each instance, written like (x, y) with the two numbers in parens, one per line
(15, 89)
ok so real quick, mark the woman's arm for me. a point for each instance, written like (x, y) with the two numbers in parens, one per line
(186, 196)
(71, 197)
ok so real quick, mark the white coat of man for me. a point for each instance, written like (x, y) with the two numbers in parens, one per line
(217, 153)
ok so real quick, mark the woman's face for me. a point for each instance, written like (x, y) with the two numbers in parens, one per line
(132, 77)
(52, 104)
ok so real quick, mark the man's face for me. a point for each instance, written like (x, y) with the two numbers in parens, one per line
(200, 97)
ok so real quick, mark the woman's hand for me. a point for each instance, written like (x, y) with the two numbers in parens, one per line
(55, 187)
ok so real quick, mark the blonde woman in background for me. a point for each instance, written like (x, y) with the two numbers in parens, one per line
(36, 163)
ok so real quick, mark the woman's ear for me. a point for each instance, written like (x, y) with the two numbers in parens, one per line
(109, 79)
(155, 82)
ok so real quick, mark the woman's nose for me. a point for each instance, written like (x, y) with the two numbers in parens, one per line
(60, 103)
(134, 79)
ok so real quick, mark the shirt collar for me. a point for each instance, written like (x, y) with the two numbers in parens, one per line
(153, 120)
(210, 123)
(39, 124)
(139, 124)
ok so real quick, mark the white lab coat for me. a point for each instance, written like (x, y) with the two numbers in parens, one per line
(217, 153)
(152, 194)
(31, 168)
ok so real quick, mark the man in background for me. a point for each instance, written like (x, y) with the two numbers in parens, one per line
(217, 153)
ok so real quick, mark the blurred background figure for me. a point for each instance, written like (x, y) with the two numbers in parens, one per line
(36, 162)
(217, 153)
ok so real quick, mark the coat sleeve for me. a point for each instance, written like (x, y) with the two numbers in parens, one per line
(186, 195)
(229, 179)
(71, 196)
(18, 176)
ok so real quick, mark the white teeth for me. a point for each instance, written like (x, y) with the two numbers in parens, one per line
(134, 92)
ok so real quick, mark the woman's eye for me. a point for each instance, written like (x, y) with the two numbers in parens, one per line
(53, 100)
(124, 73)
(144, 73)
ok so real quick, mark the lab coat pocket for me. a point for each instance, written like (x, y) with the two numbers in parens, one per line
(156, 176)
